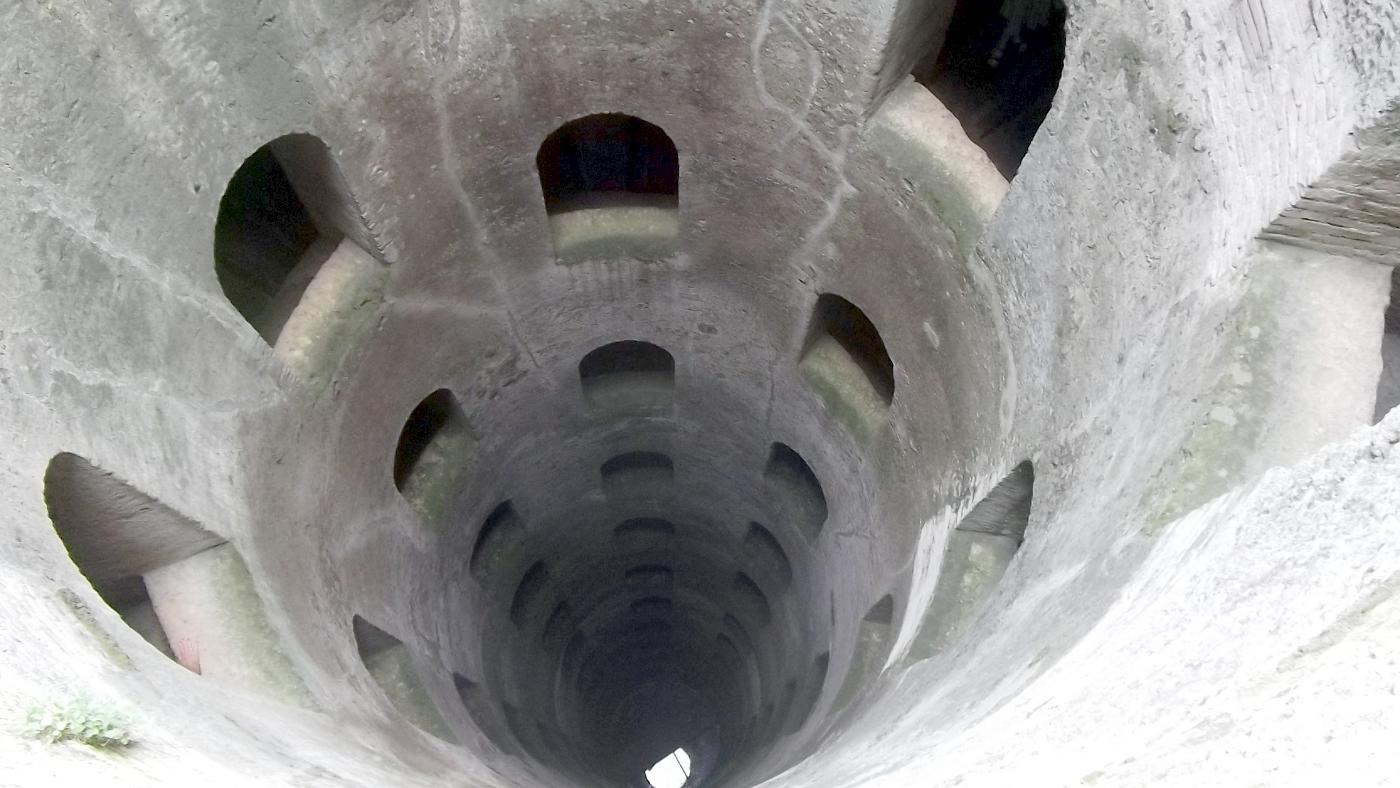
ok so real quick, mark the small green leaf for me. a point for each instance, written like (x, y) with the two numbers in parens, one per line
(79, 719)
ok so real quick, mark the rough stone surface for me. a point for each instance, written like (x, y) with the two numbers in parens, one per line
(1205, 593)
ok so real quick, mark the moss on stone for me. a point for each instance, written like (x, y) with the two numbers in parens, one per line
(645, 233)
(393, 671)
(935, 184)
(436, 478)
(973, 565)
(262, 661)
(1216, 454)
(339, 307)
(843, 388)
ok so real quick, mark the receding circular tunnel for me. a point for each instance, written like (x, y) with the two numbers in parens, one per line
(660, 565)
(673, 619)
(642, 555)
(688, 532)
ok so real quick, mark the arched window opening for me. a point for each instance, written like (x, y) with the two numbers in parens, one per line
(480, 709)
(873, 643)
(1388, 389)
(636, 470)
(116, 535)
(766, 553)
(184, 589)
(726, 650)
(528, 593)
(752, 599)
(432, 454)
(630, 376)
(389, 663)
(611, 185)
(997, 71)
(290, 251)
(501, 533)
(559, 626)
(811, 692)
(645, 528)
(650, 578)
(783, 709)
(979, 551)
(844, 359)
(797, 493)
(670, 772)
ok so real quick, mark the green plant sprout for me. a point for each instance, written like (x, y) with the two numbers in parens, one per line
(79, 719)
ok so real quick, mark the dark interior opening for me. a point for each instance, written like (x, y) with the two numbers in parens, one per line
(434, 435)
(627, 356)
(500, 532)
(388, 662)
(608, 159)
(371, 641)
(812, 687)
(115, 534)
(998, 72)
(634, 469)
(479, 708)
(653, 527)
(765, 552)
(843, 321)
(628, 375)
(649, 577)
(262, 232)
(528, 593)
(979, 552)
(1006, 510)
(797, 493)
(751, 596)
(881, 612)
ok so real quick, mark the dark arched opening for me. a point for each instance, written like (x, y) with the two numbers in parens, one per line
(611, 188)
(997, 72)
(286, 219)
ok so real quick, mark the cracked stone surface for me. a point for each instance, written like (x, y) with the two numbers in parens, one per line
(741, 553)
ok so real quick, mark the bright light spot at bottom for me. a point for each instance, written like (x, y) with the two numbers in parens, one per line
(671, 771)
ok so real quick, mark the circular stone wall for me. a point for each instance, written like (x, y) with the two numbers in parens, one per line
(508, 395)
